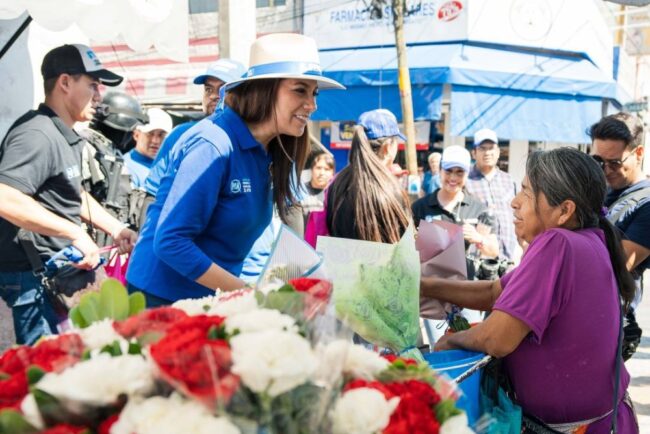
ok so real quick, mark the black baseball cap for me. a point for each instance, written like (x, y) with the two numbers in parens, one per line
(77, 59)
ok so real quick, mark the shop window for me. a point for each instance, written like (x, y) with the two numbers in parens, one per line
(269, 3)
(203, 6)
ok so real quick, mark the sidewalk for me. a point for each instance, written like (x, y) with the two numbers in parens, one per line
(639, 366)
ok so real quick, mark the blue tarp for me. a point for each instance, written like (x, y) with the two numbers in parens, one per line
(515, 114)
(542, 85)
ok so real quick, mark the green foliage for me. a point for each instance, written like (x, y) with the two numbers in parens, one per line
(400, 371)
(34, 374)
(445, 410)
(293, 412)
(12, 422)
(286, 300)
(112, 301)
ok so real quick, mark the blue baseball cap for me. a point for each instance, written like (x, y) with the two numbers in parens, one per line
(225, 70)
(380, 123)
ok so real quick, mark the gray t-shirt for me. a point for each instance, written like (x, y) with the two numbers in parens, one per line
(41, 157)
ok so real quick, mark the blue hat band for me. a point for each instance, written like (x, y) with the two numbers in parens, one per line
(297, 68)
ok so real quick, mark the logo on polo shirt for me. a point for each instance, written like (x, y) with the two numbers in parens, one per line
(240, 186)
(73, 172)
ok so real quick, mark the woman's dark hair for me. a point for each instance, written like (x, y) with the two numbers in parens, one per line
(568, 174)
(254, 101)
(381, 211)
(621, 126)
(325, 157)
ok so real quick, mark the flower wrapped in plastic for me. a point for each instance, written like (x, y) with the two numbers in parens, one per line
(377, 289)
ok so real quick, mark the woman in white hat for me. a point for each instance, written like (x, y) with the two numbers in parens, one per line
(452, 203)
(216, 198)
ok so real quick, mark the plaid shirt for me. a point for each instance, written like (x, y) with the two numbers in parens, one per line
(497, 194)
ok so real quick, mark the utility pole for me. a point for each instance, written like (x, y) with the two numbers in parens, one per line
(404, 82)
(237, 29)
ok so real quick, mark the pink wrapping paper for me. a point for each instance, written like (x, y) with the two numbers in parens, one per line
(442, 254)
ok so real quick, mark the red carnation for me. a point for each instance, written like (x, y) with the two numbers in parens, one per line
(156, 320)
(105, 426)
(392, 358)
(13, 390)
(317, 293)
(200, 366)
(54, 354)
(65, 429)
(415, 413)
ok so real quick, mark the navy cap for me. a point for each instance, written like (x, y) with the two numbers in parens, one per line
(226, 70)
(380, 123)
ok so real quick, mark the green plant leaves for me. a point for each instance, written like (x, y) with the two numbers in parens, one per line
(12, 422)
(112, 302)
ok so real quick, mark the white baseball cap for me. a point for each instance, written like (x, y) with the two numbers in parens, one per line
(158, 120)
(485, 134)
(455, 156)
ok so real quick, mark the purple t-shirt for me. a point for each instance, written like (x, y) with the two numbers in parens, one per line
(565, 291)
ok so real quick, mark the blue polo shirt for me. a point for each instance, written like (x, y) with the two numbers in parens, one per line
(166, 153)
(138, 166)
(213, 203)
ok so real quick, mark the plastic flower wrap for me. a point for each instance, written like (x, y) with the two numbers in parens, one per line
(377, 289)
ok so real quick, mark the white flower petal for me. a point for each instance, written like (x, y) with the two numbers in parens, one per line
(173, 415)
(456, 425)
(260, 320)
(100, 380)
(362, 411)
(272, 361)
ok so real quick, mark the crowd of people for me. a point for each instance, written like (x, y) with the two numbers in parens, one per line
(194, 206)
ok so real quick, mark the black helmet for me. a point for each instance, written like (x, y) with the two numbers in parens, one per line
(120, 111)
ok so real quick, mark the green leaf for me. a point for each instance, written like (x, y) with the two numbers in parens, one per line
(89, 307)
(113, 300)
(34, 374)
(48, 405)
(137, 303)
(445, 410)
(4, 376)
(113, 349)
(12, 422)
(77, 318)
(134, 348)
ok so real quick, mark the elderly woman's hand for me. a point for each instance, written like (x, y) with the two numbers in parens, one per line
(443, 344)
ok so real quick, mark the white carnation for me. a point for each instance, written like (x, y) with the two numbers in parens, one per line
(100, 380)
(270, 287)
(245, 302)
(99, 334)
(173, 415)
(344, 357)
(196, 306)
(260, 320)
(272, 361)
(456, 425)
(29, 409)
(362, 411)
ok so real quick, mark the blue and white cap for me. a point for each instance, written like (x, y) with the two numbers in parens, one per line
(225, 70)
(285, 55)
(380, 123)
(455, 156)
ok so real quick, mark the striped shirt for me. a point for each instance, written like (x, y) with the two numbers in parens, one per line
(497, 194)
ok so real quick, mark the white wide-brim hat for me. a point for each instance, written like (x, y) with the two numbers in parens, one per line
(285, 55)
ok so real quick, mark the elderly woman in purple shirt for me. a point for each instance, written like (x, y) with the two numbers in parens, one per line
(556, 317)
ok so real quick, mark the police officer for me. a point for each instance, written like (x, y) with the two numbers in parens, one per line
(109, 136)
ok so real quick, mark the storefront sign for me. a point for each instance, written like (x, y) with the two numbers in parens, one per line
(342, 133)
(354, 23)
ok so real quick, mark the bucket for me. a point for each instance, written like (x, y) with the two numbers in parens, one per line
(453, 363)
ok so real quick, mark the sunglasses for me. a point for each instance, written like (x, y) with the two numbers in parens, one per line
(612, 164)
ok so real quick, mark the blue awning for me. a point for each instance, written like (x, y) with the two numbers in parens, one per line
(348, 104)
(516, 114)
(501, 76)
